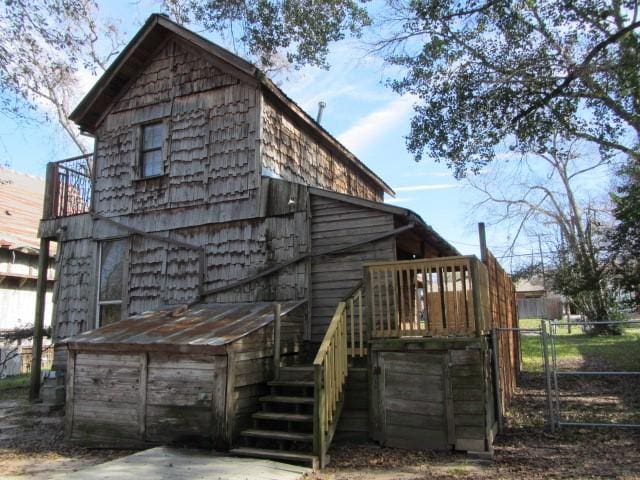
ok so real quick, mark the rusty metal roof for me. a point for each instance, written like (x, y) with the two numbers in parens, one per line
(203, 327)
(21, 197)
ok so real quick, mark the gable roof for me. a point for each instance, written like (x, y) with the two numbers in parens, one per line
(21, 198)
(135, 55)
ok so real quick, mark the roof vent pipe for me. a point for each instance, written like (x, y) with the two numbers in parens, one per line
(321, 106)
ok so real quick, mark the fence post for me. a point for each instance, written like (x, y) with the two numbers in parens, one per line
(547, 373)
(276, 340)
(496, 378)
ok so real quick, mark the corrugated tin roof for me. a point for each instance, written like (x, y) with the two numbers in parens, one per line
(21, 197)
(203, 326)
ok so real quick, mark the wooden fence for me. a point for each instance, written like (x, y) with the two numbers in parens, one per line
(427, 297)
(502, 298)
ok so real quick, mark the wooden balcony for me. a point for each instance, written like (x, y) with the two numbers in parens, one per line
(69, 187)
(437, 297)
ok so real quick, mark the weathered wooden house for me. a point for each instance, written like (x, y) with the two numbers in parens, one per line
(199, 297)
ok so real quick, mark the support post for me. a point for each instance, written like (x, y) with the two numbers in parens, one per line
(496, 379)
(41, 291)
(483, 242)
(276, 340)
(547, 373)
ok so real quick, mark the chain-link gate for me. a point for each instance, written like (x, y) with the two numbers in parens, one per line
(555, 372)
(496, 334)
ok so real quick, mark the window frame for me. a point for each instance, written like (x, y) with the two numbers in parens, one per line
(140, 151)
(99, 303)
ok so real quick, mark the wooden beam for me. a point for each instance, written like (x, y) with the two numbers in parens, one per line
(41, 291)
(483, 242)
(276, 340)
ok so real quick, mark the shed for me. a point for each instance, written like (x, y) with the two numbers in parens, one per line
(174, 375)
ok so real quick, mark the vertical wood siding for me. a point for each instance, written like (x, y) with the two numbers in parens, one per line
(335, 224)
(297, 156)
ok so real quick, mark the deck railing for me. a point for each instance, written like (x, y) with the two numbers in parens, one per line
(330, 373)
(356, 334)
(428, 297)
(345, 337)
(69, 187)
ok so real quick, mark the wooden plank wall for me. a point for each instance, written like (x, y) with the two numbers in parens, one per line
(295, 155)
(335, 223)
(102, 404)
(504, 315)
(432, 393)
(185, 398)
(212, 120)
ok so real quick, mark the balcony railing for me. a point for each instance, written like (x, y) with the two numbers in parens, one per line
(69, 187)
(428, 297)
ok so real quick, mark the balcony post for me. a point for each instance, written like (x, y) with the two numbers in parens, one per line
(41, 291)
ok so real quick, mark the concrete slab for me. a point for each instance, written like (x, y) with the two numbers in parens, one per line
(164, 463)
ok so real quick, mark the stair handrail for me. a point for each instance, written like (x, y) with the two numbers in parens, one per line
(329, 373)
(356, 338)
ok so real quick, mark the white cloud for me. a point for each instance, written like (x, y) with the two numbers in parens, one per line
(427, 186)
(398, 200)
(373, 126)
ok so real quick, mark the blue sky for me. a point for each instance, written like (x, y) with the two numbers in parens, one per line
(364, 114)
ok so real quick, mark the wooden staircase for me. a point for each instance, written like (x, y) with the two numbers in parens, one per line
(283, 429)
(300, 415)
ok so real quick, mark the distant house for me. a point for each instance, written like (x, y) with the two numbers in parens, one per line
(200, 298)
(535, 301)
(21, 198)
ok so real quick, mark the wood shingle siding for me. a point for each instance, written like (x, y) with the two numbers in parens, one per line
(74, 287)
(209, 153)
(296, 155)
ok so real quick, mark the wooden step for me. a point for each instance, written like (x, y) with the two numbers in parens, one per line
(292, 383)
(297, 372)
(285, 417)
(293, 457)
(286, 399)
(278, 435)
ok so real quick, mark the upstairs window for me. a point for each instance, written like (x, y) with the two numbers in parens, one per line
(151, 158)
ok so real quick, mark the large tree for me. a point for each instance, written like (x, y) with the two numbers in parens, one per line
(266, 30)
(45, 45)
(544, 197)
(625, 236)
(492, 73)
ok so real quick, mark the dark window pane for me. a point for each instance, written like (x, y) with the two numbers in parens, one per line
(111, 269)
(110, 314)
(152, 163)
(152, 136)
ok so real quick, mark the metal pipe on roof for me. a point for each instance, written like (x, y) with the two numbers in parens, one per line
(321, 106)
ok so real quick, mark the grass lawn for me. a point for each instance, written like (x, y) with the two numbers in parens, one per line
(583, 351)
(15, 387)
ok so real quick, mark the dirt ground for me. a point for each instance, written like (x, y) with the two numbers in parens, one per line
(31, 444)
